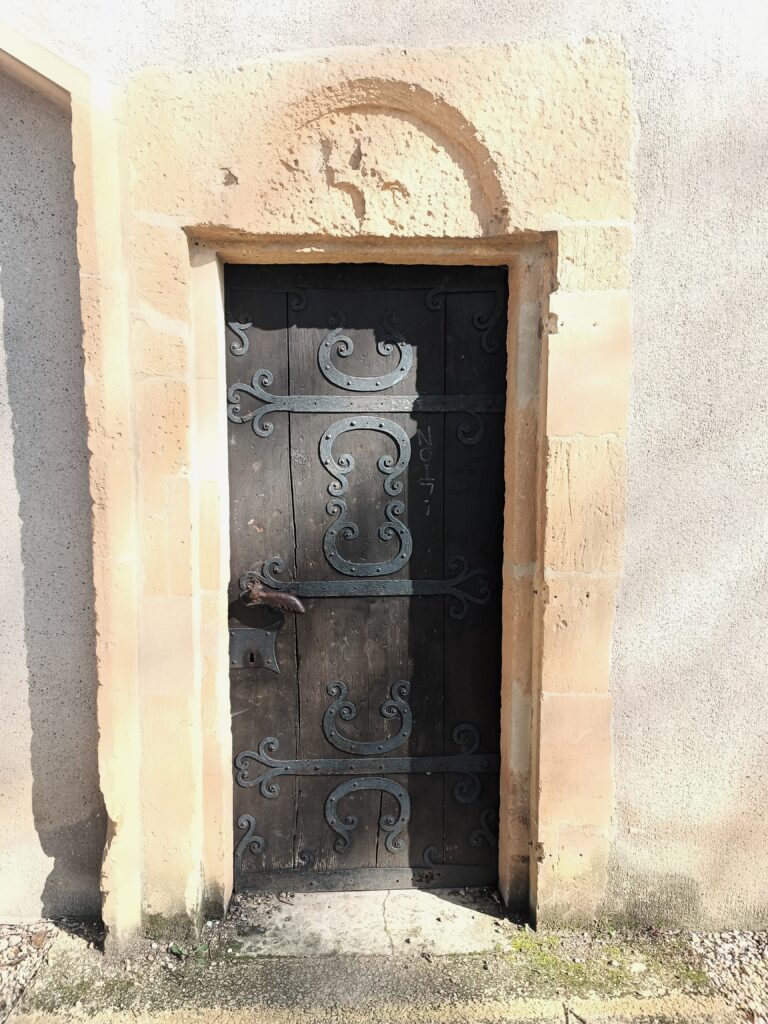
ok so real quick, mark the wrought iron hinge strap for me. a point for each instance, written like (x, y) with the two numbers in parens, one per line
(470, 405)
(468, 764)
(451, 587)
(353, 403)
(457, 764)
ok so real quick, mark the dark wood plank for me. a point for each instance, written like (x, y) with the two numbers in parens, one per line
(370, 636)
(473, 530)
(349, 641)
(422, 630)
(263, 703)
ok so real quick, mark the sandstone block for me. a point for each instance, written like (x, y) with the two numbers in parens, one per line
(593, 257)
(585, 498)
(577, 623)
(575, 761)
(589, 364)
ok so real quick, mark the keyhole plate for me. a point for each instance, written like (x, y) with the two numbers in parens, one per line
(250, 647)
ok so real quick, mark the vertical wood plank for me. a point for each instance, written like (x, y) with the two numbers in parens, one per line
(476, 322)
(261, 524)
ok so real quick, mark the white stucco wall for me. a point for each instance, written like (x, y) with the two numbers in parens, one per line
(690, 643)
(51, 816)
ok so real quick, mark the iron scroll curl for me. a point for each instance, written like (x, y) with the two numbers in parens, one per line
(343, 709)
(392, 341)
(392, 468)
(249, 842)
(391, 824)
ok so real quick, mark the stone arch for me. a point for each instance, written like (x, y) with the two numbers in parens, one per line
(419, 111)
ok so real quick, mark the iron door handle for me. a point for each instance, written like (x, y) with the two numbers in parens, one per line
(283, 600)
(251, 645)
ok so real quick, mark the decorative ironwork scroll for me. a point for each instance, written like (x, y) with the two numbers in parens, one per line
(349, 530)
(434, 300)
(486, 324)
(391, 824)
(453, 587)
(488, 832)
(430, 857)
(241, 345)
(344, 527)
(391, 342)
(341, 467)
(297, 299)
(486, 835)
(471, 432)
(250, 841)
(395, 705)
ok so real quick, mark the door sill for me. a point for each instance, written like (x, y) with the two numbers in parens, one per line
(448, 876)
(418, 922)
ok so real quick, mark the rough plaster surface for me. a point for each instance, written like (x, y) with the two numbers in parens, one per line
(51, 822)
(689, 647)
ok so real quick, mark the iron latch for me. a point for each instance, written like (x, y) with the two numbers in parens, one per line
(254, 646)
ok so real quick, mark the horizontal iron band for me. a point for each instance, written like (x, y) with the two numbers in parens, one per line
(372, 403)
(460, 764)
(452, 588)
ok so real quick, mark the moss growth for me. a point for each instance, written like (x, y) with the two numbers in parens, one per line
(91, 991)
(567, 962)
(176, 928)
(214, 906)
(533, 943)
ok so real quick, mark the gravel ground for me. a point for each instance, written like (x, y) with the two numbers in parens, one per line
(737, 963)
(22, 949)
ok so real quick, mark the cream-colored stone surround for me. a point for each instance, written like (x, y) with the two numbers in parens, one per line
(512, 155)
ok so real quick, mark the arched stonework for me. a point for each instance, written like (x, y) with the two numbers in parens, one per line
(402, 160)
(388, 174)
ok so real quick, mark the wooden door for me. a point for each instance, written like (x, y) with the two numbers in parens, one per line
(365, 409)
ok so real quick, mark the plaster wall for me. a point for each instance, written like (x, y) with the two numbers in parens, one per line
(689, 640)
(51, 814)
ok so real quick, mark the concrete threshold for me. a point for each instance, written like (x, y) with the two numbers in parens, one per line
(407, 921)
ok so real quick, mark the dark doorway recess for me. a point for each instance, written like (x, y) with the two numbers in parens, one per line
(366, 435)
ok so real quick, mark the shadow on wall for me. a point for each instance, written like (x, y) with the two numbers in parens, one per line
(43, 355)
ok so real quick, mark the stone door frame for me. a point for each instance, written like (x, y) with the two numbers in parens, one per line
(547, 194)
